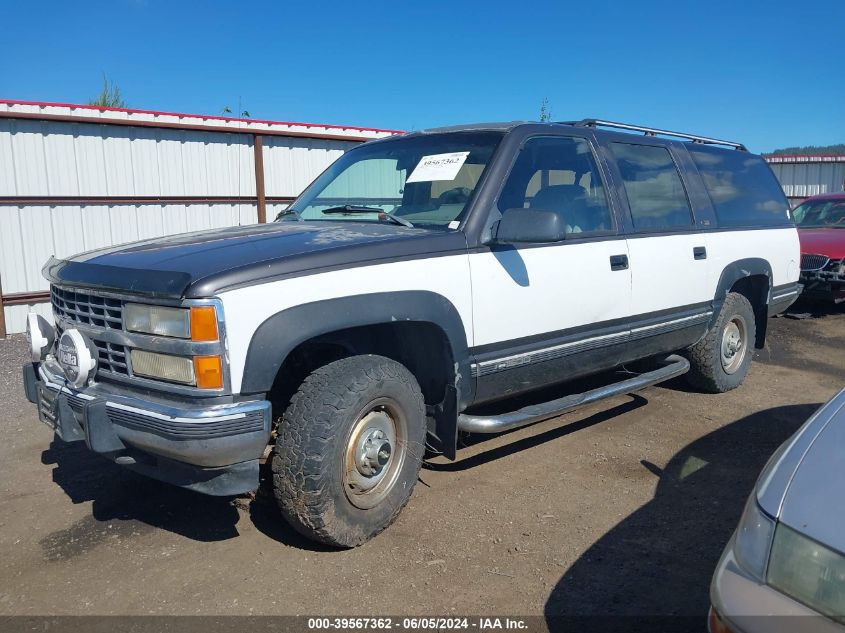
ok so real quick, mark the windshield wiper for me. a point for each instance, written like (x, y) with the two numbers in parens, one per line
(289, 211)
(351, 209)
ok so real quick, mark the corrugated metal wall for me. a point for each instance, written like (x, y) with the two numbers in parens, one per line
(804, 176)
(291, 164)
(59, 180)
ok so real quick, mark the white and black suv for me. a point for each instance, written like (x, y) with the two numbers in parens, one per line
(417, 278)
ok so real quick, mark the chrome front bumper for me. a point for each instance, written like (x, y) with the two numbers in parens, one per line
(208, 448)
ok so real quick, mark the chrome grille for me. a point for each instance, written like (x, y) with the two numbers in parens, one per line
(813, 262)
(73, 307)
(82, 307)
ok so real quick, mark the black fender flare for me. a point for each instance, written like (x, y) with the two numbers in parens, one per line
(734, 272)
(282, 332)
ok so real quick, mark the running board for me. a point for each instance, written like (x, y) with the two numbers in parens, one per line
(672, 366)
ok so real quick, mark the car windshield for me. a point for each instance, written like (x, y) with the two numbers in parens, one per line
(820, 214)
(426, 180)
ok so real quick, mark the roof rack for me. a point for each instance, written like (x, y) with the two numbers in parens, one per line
(650, 131)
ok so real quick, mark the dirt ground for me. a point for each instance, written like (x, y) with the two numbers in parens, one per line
(622, 507)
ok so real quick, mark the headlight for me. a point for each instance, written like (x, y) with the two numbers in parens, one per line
(158, 320)
(198, 323)
(809, 572)
(205, 372)
(753, 539)
(163, 366)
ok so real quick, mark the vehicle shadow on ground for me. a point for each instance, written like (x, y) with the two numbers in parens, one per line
(634, 401)
(546, 394)
(125, 504)
(659, 560)
(808, 308)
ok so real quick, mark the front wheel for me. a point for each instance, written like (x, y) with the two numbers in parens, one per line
(719, 362)
(349, 450)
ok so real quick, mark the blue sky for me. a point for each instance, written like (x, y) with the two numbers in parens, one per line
(768, 73)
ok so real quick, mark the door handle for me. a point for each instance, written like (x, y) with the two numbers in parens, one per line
(618, 262)
(699, 252)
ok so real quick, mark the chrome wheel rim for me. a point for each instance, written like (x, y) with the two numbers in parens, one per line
(375, 453)
(734, 344)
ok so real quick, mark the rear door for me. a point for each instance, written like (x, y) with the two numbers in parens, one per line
(668, 249)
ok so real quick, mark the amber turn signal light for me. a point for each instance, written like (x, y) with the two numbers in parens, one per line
(203, 323)
(716, 623)
(209, 372)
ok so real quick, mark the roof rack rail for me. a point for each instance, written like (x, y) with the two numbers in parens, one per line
(650, 131)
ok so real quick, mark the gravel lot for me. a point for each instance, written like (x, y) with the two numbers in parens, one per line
(622, 507)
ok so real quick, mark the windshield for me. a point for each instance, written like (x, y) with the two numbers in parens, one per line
(820, 213)
(427, 180)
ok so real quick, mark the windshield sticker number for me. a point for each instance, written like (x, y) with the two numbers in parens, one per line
(438, 167)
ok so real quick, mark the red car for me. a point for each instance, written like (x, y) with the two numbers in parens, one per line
(821, 229)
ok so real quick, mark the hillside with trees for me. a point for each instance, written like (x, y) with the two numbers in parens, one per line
(839, 148)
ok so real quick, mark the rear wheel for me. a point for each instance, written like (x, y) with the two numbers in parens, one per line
(349, 450)
(719, 362)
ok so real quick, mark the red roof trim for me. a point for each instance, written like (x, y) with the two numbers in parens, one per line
(49, 104)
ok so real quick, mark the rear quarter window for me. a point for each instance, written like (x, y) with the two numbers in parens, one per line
(742, 187)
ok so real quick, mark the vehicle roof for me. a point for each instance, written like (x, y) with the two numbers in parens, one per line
(496, 126)
(508, 126)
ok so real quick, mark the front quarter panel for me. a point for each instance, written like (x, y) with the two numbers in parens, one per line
(248, 308)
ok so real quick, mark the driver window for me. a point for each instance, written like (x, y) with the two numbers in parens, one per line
(559, 174)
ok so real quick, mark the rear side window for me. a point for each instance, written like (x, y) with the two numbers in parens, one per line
(743, 189)
(656, 195)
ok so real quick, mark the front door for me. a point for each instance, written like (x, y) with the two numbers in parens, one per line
(543, 313)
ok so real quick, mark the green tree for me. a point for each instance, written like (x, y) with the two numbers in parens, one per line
(244, 114)
(838, 148)
(545, 110)
(109, 96)
(227, 111)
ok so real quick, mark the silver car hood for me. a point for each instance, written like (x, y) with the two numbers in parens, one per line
(803, 485)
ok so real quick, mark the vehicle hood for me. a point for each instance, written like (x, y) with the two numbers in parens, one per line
(828, 242)
(204, 263)
(804, 486)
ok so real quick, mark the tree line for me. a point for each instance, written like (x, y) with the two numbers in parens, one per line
(837, 148)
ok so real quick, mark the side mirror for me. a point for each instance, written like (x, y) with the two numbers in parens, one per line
(530, 225)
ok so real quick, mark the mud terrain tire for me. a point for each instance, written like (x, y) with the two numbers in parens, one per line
(349, 419)
(719, 362)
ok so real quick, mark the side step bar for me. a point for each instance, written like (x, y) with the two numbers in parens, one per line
(672, 366)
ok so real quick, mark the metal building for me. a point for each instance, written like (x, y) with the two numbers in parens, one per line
(75, 178)
(804, 176)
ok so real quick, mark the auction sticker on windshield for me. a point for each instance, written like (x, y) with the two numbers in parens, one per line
(438, 167)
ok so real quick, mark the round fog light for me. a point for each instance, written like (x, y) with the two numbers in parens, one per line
(76, 357)
(40, 335)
